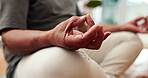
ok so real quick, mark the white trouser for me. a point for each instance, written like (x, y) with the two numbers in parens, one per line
(117, 53)
(115, 56)
(56, 62)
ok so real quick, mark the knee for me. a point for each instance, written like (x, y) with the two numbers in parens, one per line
(57, 62)
(127, 36)
(130, 38)
(134, 38)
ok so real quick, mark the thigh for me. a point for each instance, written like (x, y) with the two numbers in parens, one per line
(117, 53)
(55, 62)
(110, 43)
(117, 43)
(116, 62)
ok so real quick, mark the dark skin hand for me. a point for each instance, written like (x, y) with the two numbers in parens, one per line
(28, 41)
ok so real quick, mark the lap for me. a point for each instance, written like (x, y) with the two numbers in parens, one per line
(117, 44)
(55, 62)
(117, 53)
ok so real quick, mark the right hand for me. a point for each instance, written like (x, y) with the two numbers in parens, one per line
(65, 36)
(145, 25)
(134, 27)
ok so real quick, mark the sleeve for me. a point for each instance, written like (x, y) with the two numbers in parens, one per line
(78, 11)
(13, 14)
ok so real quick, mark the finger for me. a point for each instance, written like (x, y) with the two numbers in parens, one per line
(146, 23)
(89, 21)
(81, 39)
(106, 34)
(100, 37)
(87, 37)
(144, 32)
(97, 39)
(74, 21)
(136, 20)
(96, 43)
(92, 32)
(79, 21)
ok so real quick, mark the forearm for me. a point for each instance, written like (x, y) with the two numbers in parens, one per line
(25, 41)
(112, 28)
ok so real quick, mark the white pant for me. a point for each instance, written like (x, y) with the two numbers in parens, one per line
(57, 62)
(115, 55)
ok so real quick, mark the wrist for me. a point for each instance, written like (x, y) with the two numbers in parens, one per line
(120, 28)
(47, 38)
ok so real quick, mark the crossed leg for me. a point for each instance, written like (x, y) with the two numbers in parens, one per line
(56, 62)
(117, 53)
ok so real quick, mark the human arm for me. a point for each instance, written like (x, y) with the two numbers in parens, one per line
(24, 41)
(27, 41)
(131, 26)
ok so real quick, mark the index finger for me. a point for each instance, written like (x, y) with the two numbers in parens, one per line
(145, 24)
(91, 33)
(89, 21)
(136, 20)
(74, 22)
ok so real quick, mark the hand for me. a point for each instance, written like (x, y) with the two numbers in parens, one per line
(65, 36)
(134, 27)
(145, 24)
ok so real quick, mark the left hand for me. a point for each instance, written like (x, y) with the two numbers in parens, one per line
(134, 27)
(65, 36)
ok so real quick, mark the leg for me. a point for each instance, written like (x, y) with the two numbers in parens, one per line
(117, 53)
(55, 62)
